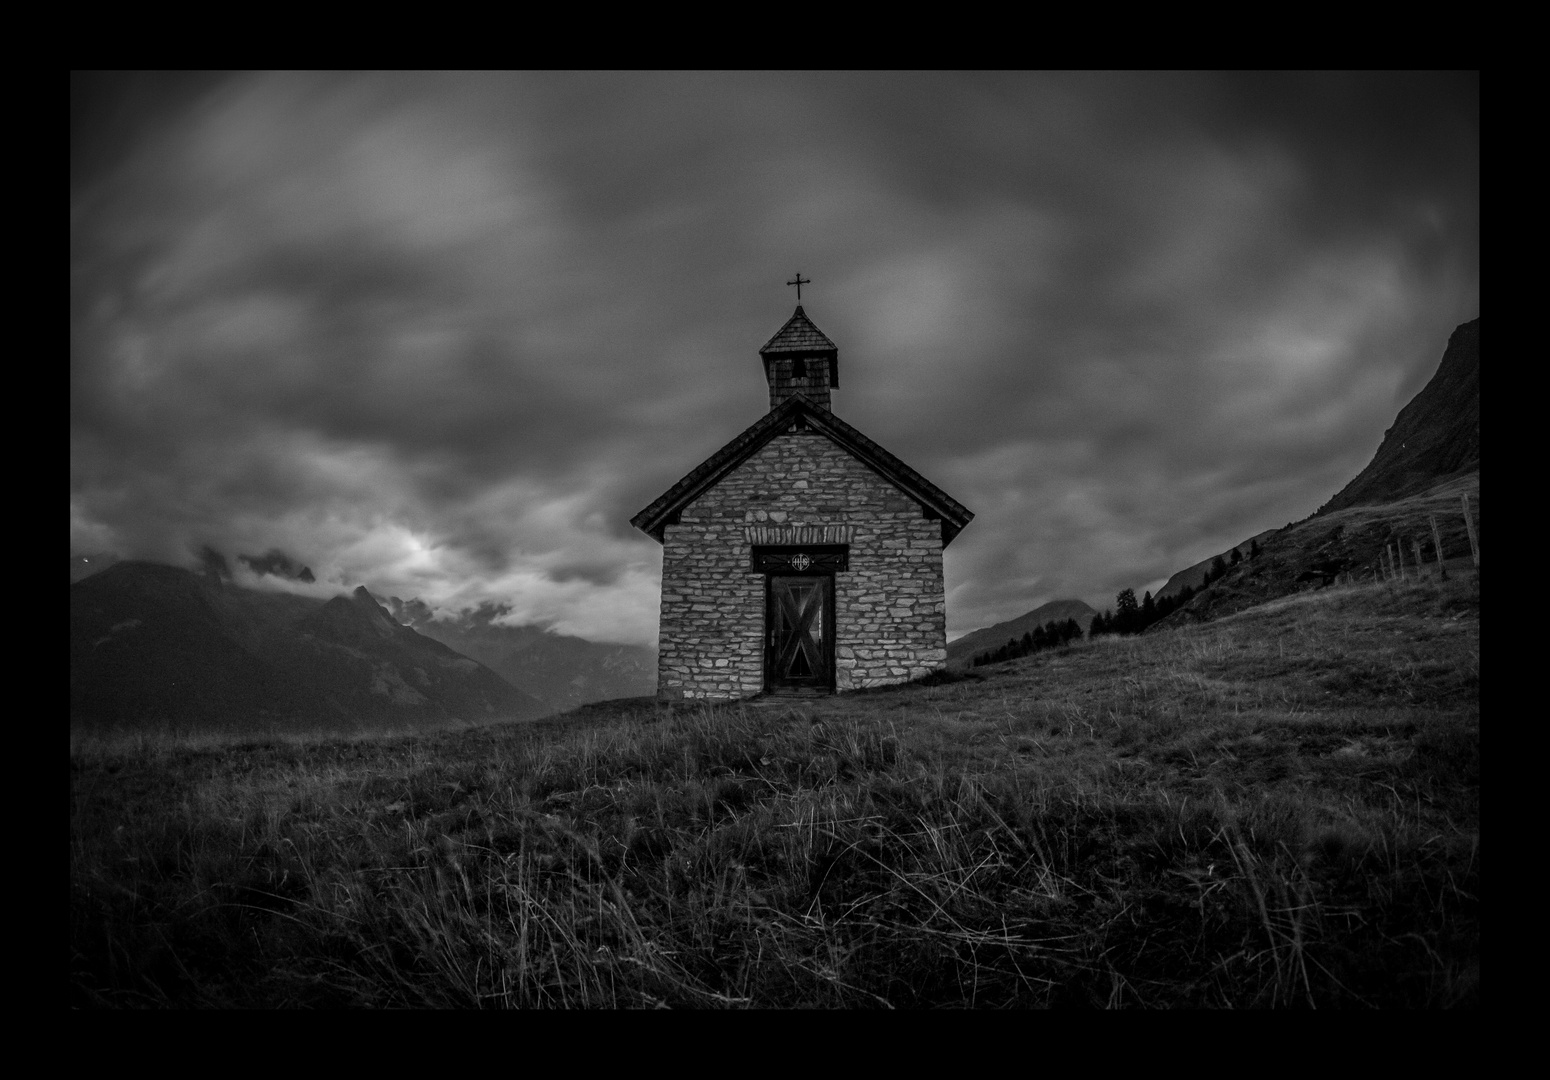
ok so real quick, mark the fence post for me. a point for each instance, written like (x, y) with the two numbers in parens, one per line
(1415, 542)
(1442, 571)
(1474, 541)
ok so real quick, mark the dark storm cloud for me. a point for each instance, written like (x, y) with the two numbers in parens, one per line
(444, 335)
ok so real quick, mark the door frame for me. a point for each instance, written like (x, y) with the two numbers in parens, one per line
(819, 685)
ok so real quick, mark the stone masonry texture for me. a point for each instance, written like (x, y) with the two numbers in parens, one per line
(890, 612)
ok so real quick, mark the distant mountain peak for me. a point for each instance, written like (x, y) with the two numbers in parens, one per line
(278, 564)
(372, 606)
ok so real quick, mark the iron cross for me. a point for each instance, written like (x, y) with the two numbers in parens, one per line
(799, 282)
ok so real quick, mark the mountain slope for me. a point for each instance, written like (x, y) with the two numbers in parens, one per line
(1427, 460)
(147, 642)
(156, 644)
(1195, 576)
(84, 566)
(1351, 542)
(963, 650)
(559, 670)
(368, 666)
(1435, 436)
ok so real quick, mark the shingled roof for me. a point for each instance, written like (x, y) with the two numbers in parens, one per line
(934, 502)
(799, 335)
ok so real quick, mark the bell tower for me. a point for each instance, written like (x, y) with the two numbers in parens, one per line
(801, 359)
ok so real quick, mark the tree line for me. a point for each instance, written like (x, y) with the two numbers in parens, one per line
(1129, 618)
(1048, 636)
(1132, 618)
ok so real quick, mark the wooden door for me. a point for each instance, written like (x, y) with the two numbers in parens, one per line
(799, 640)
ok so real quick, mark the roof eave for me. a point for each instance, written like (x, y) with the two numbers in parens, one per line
(932, 499)
(654, 518)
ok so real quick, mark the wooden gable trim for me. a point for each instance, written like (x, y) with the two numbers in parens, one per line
(935, 502)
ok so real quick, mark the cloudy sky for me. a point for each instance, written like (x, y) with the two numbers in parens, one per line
(443, 335)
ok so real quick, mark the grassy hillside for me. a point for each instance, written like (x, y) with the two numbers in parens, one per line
(1194, 576)
(1350, 540)
(1279, 808)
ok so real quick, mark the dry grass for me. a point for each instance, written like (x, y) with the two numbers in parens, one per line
(1278, 809)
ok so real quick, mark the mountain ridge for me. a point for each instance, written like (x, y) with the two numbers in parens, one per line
(562, 670)
(159, 644)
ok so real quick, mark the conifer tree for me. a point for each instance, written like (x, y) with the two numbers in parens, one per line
(1236, 558)
(1125, 617)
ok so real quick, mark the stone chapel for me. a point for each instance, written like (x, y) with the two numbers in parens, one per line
(801, 558)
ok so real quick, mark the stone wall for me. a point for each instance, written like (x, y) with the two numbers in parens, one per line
(890, 613)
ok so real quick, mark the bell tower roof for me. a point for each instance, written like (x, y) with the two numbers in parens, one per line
(799, 335)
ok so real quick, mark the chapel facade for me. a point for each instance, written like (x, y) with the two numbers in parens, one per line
(801, 558)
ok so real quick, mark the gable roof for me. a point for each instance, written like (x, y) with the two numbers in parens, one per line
(935, 502)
